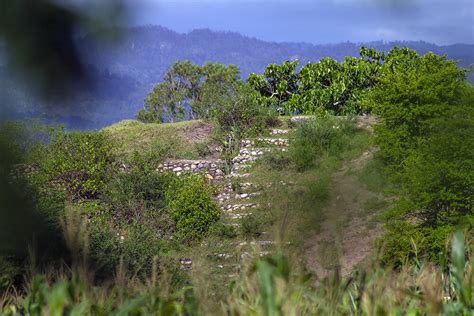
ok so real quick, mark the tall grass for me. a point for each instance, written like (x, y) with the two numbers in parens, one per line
(269, 286)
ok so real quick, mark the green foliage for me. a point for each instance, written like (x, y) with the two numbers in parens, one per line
(277, 160)
(271, 287)
(277, 85)
(130, 223)
(401, 243)
(139, 185)
(190, 206)
(188, 89)
(411, 90)
(252, 225)
(327, 84)
(76, 295)
(9, 270)
(80, 160)
(239, 112)
(315, 139)
(202, 149)
(223, 231)
(426, 140)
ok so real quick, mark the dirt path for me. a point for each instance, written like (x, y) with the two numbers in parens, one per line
(346, 235)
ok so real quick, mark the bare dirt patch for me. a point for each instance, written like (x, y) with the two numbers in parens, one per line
(196, 132)
(348, 229)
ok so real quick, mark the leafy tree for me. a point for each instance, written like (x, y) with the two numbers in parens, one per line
(326, 84)
(425, 138)
(186, 91)
(277, 85)
(219, 83)
(410, 90)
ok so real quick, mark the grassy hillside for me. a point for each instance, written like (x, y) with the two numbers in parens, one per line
(187, 139)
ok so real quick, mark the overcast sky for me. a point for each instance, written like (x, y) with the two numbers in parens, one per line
(317, 21)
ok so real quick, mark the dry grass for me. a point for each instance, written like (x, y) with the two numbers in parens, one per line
(177, 140)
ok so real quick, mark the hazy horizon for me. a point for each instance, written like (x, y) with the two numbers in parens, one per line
(315, 22)
(292, 42)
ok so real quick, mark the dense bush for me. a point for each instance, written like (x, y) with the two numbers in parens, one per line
(191, 207)
(79, 160)
(316, 138)
(426, 140)
(130, 223)
(411, 90)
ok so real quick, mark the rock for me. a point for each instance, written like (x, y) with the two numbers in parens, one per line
(177, 169)
(208, 176)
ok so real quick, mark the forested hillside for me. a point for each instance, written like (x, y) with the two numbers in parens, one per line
(124, 73)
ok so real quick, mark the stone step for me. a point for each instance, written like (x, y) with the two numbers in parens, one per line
(243, 166)
(238, 175)
(223, 255)
(212, 168)
(257, 243)
(229, 265)
(254, 151)
(186, 263)
(222, 198)
(247, 254)
(243, 187)
(238, 216)
(248, 143)
(277, 131)
(241, 206)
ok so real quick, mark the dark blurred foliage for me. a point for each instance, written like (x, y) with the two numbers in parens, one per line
(22, 228)
(39, 38)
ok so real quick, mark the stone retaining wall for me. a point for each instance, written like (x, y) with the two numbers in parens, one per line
(213, 169)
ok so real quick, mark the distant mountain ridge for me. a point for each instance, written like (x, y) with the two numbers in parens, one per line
(127, 71)
(159, 47)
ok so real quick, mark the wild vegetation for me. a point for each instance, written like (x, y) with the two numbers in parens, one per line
(115, 233)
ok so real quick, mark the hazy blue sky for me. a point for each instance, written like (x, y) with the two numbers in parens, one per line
(317, 21)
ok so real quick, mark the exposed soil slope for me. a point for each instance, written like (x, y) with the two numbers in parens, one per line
(348, 229)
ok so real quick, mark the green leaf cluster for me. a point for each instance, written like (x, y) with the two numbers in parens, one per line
(191, 207)
(326, 84)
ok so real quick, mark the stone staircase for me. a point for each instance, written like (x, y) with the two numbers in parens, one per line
(237, 197)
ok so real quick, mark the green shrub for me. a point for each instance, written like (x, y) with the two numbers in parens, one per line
(224, 231)
(9, 270)
(202, 149)
(191, 207)
(321, 136)
(276, 160)
(400, 243)
(132, 241)
(239, 113)
(139, 184)
(130, 222)
(80, 160)
(251, 226)
(425, 140)
(411, 90)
